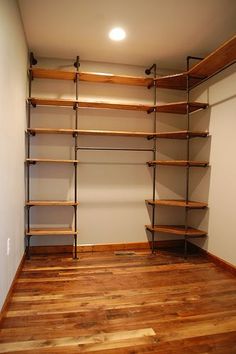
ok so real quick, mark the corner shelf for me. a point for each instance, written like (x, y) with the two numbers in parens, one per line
(181, 163)
(178, 203)
(215, 62)
(177, 230)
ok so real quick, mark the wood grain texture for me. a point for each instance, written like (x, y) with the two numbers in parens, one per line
(35, 160)
(217, 60)
(104, 78)
(183, 163)
(121, 305)
(176, 108)
(178, 203)
(88, 104)
(51, 231)
(51, 203)
(180, 107)
(177, 230)
(181, 134)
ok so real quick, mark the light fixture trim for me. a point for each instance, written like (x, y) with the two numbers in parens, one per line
(117, 34)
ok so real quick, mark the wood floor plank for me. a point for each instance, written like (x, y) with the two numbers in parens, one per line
(125, 304)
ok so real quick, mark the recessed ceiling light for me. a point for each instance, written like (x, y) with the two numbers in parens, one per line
(117, 34)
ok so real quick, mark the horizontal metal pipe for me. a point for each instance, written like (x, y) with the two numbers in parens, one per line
(111, 149)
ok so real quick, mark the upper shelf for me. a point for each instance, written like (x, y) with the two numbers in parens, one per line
(177, 107)
(213, 63)
(222, 57)
(91, 77)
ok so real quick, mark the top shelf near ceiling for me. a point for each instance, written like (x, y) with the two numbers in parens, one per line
(222, 57)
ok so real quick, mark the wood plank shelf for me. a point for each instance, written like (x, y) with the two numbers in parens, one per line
(183, 134)
(177, 203)
(104, 78)
(89, 132)
(88, 104)
(32, 160)
(50, 231)
(177, 81)
(51, 203)
(222, 57)
(177, 107)
(180, 107)
(177, 230)
(178, 163)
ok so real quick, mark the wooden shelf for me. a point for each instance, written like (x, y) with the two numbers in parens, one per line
(180, 107)
(91, 77)
(178, 203)
(161, 135)
(50, 231)
(182, 134)
(218, 60)
(89, 132)
(51, 203)
(51, 131)
(178, 163)
(177, 108)
(31, 160)
(177, 81)
(88, 104)
(177, 230)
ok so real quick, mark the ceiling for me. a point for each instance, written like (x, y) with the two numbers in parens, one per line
(161, 31)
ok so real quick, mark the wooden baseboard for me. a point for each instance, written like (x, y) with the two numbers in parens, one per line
(9, 294)
(214, 259)
(105, 247)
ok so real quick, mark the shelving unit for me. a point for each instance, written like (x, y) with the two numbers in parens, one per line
(203, 70)
(206, 68)
(73, 231)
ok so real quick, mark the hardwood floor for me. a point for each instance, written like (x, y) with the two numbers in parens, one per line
(107, 303)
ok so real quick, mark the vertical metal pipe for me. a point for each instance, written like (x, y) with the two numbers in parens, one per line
(77, 64)
(187, 168)
(28, 155)
(154, 158)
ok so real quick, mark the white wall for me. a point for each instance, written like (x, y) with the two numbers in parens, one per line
(13, 64)
(113, 185)
(217, 185)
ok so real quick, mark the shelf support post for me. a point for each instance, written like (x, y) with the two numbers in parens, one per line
(32, 61)
(76, 65)
(148, 71)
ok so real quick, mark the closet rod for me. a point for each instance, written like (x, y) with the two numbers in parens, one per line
(111, 149)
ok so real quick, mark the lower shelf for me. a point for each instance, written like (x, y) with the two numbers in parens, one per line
(177, 230)
(178, 163)
(51, 231)
(177, 203)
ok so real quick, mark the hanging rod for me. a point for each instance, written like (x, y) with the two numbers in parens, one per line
(111, 149)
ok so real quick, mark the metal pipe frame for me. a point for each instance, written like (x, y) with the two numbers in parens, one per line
(76, 65)
(110, 149)
(32, 61)
(188, 157)
(148, 71)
